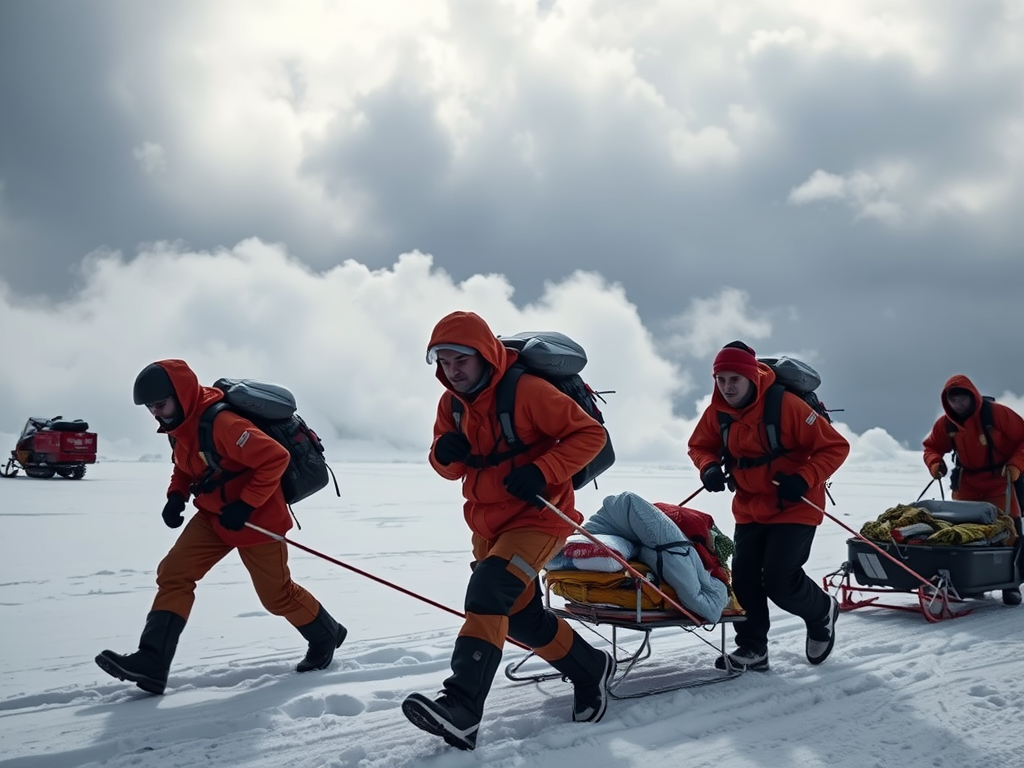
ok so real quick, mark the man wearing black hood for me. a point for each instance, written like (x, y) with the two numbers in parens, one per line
(253, 464)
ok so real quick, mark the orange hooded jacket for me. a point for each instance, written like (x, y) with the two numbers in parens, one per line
(561, 436)
(260, 459)
(815, 451)
(981, 479)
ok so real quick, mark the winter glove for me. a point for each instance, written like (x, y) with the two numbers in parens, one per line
(938, 469)
(172, 510)
(451, 447)
(235, 515)
(526, 483)
(713, 478)
(1011, 473)
(791, 487)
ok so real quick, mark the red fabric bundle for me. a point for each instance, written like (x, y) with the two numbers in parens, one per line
(696, 526)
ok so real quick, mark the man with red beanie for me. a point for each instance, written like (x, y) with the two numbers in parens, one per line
(987, 441)
(775, 526)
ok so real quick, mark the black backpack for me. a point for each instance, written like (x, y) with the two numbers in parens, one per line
(558, 359)
(791, 375)
(271, 409)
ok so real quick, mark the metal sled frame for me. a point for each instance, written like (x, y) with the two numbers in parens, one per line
(636, 620)
(936, 603)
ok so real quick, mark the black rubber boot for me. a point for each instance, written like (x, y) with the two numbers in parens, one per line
(589, 670)
(456, 713)
(148, 667)
(324, 636)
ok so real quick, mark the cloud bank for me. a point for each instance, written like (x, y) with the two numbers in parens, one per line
(348, 341)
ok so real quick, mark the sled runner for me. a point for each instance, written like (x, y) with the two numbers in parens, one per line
(943, 577)
(628, 611)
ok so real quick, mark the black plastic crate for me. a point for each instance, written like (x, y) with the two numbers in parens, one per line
(971, 569)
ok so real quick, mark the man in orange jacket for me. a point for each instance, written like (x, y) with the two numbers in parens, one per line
(513, 535)
(253, 464)
(987, 440)
(774, 525)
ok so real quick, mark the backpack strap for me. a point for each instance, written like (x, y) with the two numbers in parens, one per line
(724, 422)
(207, 448)
(214, 477)
(505, 405)
(771, 419)
(987, 425)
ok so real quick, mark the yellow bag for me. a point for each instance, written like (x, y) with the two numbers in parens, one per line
(615, 589)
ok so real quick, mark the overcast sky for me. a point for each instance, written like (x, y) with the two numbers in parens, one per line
(839, 181)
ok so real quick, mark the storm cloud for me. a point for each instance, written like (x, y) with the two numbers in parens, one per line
(842, 183)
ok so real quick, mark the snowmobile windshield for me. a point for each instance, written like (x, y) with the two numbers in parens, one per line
(32, 426)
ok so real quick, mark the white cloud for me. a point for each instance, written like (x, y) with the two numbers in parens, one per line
(709, 323)
(349, 342)
(821, 185)
(762, 39)
(708, 146)
(150, 156)
(869, 193)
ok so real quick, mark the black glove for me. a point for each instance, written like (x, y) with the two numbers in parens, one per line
(235, 515)
(172, 510)
(450, 447)
(791, 487)
(526, 483)
(713, 478)
(938, 469)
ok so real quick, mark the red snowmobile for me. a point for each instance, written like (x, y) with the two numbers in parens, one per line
(49, 447)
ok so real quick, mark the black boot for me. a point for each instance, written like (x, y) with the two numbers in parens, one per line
(1011, 596)
(590, 670)
(148, 666)
(455, 715)
(324, 635)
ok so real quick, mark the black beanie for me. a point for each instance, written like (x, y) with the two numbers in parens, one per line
(152, 385)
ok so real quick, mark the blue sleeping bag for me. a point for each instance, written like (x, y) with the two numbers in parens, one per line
(664, 549)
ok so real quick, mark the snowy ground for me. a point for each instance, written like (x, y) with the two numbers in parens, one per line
(78, 560)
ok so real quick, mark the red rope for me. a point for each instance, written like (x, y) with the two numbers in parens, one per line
(877, 548)
(403, 590)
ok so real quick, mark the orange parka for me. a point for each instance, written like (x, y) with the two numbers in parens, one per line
(561, 437)
(981, 478)
(260, 460)
(814, 451)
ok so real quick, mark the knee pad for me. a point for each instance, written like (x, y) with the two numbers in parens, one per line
(533, 626)
(493, 589)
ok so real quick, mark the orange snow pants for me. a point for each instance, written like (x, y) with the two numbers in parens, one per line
(199, 548)
(509, 565)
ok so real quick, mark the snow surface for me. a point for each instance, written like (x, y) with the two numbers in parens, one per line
(78, 562)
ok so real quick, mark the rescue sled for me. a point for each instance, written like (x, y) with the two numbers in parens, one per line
(49, 447)
(628, 612)
(943, 577)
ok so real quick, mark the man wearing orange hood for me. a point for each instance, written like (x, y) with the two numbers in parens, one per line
(252, 464)
(774, 525)
(987, 464)
(513, 535)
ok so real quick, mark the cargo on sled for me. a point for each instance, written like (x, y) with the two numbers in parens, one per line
(945, 551)
(656, 574)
